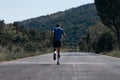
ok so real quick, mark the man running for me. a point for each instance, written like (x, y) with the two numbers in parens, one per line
(58, 33)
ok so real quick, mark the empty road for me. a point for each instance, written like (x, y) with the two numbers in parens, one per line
(74, 66)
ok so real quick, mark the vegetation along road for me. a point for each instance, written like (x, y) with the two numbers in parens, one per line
(74, 66)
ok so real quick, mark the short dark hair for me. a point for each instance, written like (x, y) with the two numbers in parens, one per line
(58, 25)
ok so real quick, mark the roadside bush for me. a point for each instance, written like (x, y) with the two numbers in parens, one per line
(30, 47)
(105, 43)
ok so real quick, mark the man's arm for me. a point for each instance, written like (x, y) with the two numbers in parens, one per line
(64, 35)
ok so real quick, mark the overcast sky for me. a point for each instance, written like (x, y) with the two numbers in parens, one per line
(18, 10)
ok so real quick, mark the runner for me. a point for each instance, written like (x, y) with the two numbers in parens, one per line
(57, 32)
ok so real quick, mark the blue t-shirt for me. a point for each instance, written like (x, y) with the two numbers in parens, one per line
(58, 31)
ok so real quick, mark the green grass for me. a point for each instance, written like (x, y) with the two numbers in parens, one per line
(115, 53)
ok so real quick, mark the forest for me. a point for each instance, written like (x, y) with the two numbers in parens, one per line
(86, 32)
(75, 22)
(18, 42)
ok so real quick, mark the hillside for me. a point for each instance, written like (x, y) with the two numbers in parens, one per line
(75, 21)
(84, 30)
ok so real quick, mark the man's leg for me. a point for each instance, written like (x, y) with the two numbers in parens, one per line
(58, 56)
(58, 51)
(54, 50)
(54, 54)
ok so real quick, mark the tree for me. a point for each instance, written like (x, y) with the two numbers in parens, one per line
(109, 13)
(104, 43)
(1, 25)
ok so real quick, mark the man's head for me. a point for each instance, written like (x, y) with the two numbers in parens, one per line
(58, 25)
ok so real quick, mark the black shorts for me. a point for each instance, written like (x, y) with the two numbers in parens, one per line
(56, 44)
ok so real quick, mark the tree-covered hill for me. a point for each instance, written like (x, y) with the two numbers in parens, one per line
(75, 21)
(32, 36)
(84, 30)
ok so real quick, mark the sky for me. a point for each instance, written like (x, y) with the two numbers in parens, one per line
(18, 10)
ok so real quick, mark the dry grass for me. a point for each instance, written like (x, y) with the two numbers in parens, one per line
(115, 53)
(17, 53)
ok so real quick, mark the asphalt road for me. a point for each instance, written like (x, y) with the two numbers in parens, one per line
(74, 66)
